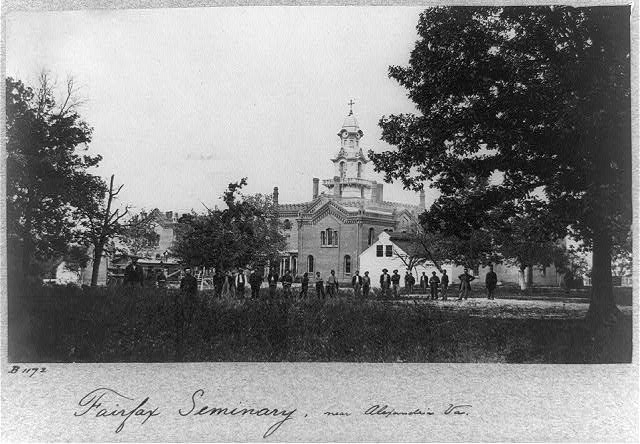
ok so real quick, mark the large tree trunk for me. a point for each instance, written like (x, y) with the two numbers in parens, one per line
(95, 270)
(602, 304)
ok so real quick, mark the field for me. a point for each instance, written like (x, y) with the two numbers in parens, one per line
(61, 324)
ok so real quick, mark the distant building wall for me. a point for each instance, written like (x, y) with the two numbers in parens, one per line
(327, 258)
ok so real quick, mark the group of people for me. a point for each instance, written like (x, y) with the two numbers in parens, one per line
(232, 285)
(441, 284)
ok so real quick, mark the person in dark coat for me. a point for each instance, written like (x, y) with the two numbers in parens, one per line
(409, 280)
(424, 282)
(305, 285)
(332, 284)
(255, 280)
(240, 281)
(366, 285)
(434, 282)
(189, 294)
(130, 273)
(272, 280)
(395, 283)
(356, 283)
(231, 283)
(444, 284)
(385, 282)
(319, 286)
(139, 275)
(287, 281)
(218, 282)
(465, 284)
(491, 281)
(185, 305)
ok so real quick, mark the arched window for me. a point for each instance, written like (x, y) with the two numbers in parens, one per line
(343, 171)
(347, 264)
(310, 264)
(359, 170)
(372, 233)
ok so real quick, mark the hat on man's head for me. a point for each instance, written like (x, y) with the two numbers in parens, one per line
(384, 270)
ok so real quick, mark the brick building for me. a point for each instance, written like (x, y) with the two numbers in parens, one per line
(329, 231)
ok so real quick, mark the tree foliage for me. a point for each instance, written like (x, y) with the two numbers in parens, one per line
(138, 236)
(245, 233)
(47, 163)
(535, 100)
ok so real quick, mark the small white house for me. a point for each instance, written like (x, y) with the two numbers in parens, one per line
(390, 251)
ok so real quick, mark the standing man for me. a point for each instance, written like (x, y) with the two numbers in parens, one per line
(319, 286)
(231, 277)
(444, 281)
(491, 281)
(434, 281)
(139, 274)
(129, 273)
(409, 282)
(255, 280)
(186, 301)
(240, 281)
(272, 280)
(189, 294)
(424, 282)
(395, 282)
(305, 285)
(356, 283)
(218, 283)
(385, 282)
(287, 281)
(366, 285)
(465, 284)
(332, 284)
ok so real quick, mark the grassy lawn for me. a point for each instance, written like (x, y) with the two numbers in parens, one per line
(59, 324)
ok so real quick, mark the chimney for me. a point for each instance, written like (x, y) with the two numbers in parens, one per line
(316, 184)
(275, 195)
(336, 186)
(422, 200)
(379, 194)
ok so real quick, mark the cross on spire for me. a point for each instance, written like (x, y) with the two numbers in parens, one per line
(351, 103)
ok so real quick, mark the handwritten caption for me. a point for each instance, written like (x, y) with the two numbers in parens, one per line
(109, 404)
(28, 371)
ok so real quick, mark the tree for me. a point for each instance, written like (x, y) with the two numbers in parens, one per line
(47, 167)
(534, 99)
(247, 232)
(139, 235)
(103, 223)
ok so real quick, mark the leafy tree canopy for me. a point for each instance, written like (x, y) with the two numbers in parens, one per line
(535, 100)
(47, 163)
(246, 233)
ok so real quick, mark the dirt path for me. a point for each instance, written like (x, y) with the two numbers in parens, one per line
(514, 308)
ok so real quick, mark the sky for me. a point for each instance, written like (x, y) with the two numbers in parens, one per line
(185, 101)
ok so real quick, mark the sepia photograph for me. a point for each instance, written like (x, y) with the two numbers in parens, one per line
(421, 185)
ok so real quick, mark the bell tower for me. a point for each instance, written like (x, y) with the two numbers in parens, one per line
(350, 164)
